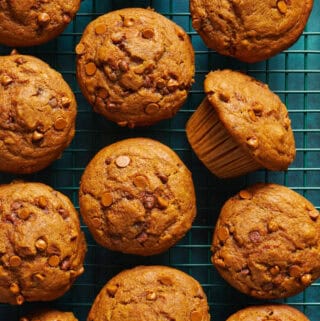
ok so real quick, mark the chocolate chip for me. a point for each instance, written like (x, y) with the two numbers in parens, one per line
(106, 199)
(108, 160)
(20, 61)
(282, 6)
(223, 233)
(140, 181)
(163, 178)
(63, 212)
(54, 260)
(15, 261)
(6, 80)
(123, 66)
(65, 264)
(53, 102)
(36, 136)
(152, 109)
(80, 49)
(123, 161)
(102, 93)
(148, 33)
(306, 279)
(162, 202)
(66, 18)
(20, 299)
(14, 288)
(142, 237)
(112, 290)
(117, 37)
(196, 316)
(128, 22)
(90, 68)
(43, 18)
(100, 29)
(255, 236)
(41, 244)
(148, 201)
(65, 101)
(253, 142)
(60, 123)
(246, 195)
(151, 296)
(42, 202)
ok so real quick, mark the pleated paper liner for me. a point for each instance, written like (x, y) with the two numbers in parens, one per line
(215, 147)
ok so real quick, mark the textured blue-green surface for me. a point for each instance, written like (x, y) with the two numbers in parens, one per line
(294, 75)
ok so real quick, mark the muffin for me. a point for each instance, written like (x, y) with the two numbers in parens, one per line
(31, 22)
(37, 118)
(42, 248)
(50, 315)
(137, 196)
(135, 66)
(268, 312)
(151, 293)
(240, 126)
(267, 242)
(250, 30)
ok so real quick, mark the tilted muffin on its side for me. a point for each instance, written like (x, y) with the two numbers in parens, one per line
(37, 114)
(151, 293)
(50, 315)
(250, 30)
(135, 66)
(136, 196)
(42, 248)
(30, 22)
(270, 312)
(267, 242)
(240, 126)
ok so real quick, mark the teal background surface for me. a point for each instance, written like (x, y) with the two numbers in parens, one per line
(293, 74)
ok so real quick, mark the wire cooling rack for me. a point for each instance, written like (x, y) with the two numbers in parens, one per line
(293, 74)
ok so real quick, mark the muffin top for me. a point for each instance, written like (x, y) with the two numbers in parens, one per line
(254, 116)
(267, 242)
(50, 315)
(271, 312)
(37, 118)
(31, 22)
(41, 245)
(151, 293)
(250, 30)
(136, 196)
(135, 66)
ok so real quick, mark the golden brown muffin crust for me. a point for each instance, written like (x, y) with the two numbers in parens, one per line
(135, 66)
(41, 245)
(33, 22)
(270, 312)
(254, 116)
(250, 30)
(267, 242)
(50, 315)
(136, 196)
(154, 293)
(37, 114)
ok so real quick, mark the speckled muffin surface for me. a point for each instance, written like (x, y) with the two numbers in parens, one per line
(135, 66)
(254, 116)
(251, 30)
(50, 315)
(154, 293)
(42, 248)
(267, 242)
(136, 196)
(270, 312)
(37, 114)
(31, 22)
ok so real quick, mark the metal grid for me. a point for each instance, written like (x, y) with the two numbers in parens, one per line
(294, 75)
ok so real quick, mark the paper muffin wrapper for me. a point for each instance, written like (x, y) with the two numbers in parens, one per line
(215, 147)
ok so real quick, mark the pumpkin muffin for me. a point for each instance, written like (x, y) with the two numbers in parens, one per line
(240, 126)
(135, 67)
(250, 30)
(151, 293)
(42, 248)
(267, 242)
(30, 22)
(37, 114)
(271, 312)
(50, 315)
(136, 196)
